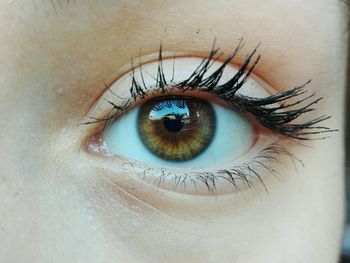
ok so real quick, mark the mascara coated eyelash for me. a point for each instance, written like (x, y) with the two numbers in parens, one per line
(277, 113)
(273, 112)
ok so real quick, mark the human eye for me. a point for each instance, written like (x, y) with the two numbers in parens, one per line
(201, 125)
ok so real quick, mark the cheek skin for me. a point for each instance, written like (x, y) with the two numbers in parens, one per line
(58, 65)
(267, 224)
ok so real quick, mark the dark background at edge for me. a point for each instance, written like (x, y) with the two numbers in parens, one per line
(345, 259)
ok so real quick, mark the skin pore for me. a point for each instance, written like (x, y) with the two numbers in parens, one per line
(58, 205)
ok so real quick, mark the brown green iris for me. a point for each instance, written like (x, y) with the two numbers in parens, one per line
(176, 128)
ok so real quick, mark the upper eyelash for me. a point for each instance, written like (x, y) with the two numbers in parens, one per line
(273, 112)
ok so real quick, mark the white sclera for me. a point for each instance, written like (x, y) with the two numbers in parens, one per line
(234, 135)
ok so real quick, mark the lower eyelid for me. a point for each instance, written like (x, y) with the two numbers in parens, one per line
(112, 175)
(149, 177)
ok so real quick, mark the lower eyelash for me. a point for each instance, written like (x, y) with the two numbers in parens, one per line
(245, 175)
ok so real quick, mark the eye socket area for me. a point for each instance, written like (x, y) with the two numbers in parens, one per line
(130, 92)
(193, 77)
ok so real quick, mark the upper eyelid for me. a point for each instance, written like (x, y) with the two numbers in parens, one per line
(236, 60)
(154, 57)
(142, 58)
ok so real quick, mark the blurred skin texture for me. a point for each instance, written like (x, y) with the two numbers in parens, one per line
(58, 206)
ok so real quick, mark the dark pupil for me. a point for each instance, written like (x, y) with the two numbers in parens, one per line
(174, 124)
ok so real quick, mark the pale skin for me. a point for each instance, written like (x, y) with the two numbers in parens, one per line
(57, 205)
